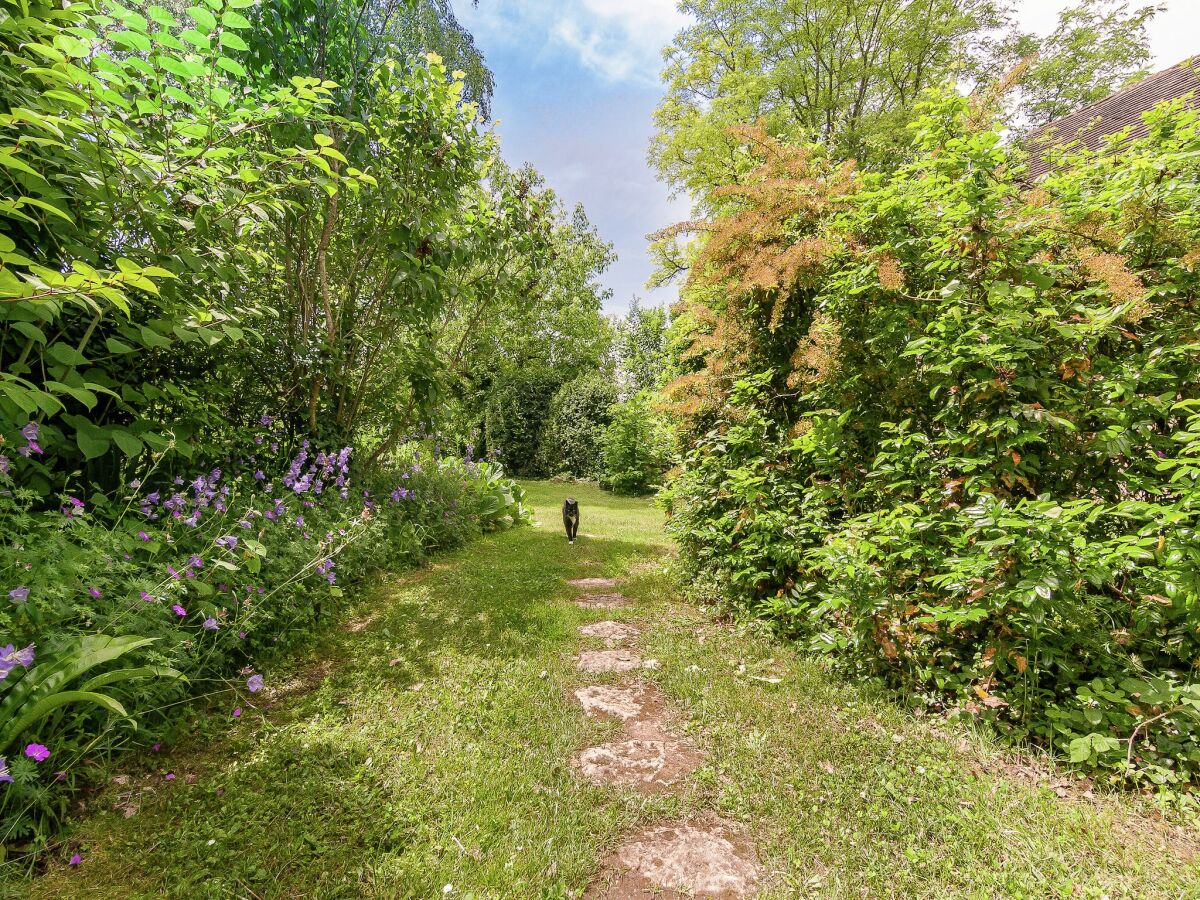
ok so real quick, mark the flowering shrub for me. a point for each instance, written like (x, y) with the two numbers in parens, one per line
(117, 607)
(942, 426)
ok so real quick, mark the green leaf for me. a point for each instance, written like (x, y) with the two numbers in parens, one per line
(204, 19)
(231, 40)
(93, 442)
(66, 354)
(129, 444)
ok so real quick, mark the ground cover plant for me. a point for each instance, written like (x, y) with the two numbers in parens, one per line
(941, 427)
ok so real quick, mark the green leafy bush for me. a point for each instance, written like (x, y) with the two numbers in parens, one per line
(517, 409)
(637, 446)
(118, 607)
(941, 425)
(572, 438)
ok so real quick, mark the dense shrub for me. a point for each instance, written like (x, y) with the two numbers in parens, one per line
(943, 426)
(572, 438)
(637, 446)
(518, 406)
(126, 604)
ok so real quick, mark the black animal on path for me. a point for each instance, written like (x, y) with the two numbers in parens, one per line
(571, 517)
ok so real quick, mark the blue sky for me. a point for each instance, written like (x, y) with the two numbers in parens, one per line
(577, 81)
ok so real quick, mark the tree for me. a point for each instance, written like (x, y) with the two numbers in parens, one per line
(1097, 47)
(845, 73)
(639, 344)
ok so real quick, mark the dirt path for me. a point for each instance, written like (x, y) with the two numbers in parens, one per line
(483, 728)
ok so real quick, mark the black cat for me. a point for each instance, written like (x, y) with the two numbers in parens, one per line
(571, 517)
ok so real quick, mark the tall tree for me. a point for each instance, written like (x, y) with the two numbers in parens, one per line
(845, 73)
(1097, 47)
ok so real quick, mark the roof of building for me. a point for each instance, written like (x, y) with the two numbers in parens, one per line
(1096, 121)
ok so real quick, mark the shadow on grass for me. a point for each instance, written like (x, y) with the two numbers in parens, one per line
(425, 745)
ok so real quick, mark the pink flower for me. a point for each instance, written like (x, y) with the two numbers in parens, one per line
(75, 860)
(37, 752)
(170, 776)
(178, 610)
(237, 713)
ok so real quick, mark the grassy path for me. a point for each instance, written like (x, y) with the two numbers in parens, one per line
(423, 748)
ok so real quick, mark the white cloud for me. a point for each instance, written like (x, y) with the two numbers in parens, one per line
(618, 40)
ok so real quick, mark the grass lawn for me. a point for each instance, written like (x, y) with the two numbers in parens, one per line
(422, 747)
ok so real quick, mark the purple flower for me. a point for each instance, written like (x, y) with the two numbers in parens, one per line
(19, 594)
(178, 610)
(260, 475)
(149, 598)
(10, 658)
(241, 635)
(75, 860)
(4, 464)
(153, 497)
(174, 574)
(95, 592)
(228, 542)
(254, 683)
(37, 752)
(196, 562)
(210, 624)
(142, 536)
(4, 776)
(237, 713)
(30, 431)
(170, 776)
(266, 421)
(156, 747)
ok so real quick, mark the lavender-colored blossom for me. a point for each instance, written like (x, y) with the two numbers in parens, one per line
(10, 658)
(142, 536)
(170, 776)
(177, 480)
(254, 683)
(5, 465)
(241, 635)
(195, 562)
(237, 713)
(75, 860)
(148, 598)
(30, 431)
(37, 752)
(210, 624)
(227, 542)
(178, 610)
(19, 594)
(5, 778)
(173, 573)
(95, 592)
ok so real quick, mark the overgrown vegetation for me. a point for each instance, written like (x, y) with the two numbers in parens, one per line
(942, 427)
(243, 244)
